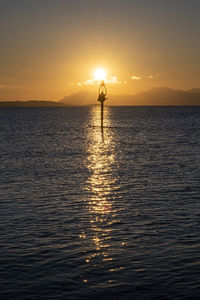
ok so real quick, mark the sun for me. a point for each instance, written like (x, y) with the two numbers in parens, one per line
(100, 74)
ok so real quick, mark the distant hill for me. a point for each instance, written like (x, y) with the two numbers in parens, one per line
(195, 91)
(160, 96)
(31, 103)
(156, 96)
(81, 98)
(166, 96)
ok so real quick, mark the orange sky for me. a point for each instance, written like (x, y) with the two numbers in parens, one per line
(50, 49)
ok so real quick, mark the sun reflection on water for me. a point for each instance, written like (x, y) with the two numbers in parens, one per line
(102, 182)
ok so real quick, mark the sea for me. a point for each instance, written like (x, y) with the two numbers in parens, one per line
(92, 213)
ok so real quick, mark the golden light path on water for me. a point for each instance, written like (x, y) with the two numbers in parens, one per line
(101, 186)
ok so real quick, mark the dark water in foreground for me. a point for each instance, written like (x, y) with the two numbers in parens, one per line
(86, 216)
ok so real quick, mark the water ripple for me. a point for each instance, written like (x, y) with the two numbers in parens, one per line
(86, 214)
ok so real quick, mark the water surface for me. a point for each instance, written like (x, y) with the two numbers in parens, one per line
(86, 214)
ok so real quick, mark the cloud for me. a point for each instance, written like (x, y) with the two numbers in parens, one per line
(113, 80)
(94, 81)
(4, 86)
(135, 77)
(88, 82)
(153, 76)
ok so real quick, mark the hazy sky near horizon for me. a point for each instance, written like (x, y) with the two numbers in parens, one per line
(50, 48)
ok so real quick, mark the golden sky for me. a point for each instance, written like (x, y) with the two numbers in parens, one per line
(51, 49)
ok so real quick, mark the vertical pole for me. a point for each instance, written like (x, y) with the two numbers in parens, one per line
(101, 114)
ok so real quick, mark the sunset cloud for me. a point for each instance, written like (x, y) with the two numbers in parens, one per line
(135, 77)
(113, 80)
(153, 76)
(4, 86)
(94, 81)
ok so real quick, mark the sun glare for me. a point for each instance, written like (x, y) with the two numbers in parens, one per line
(100, 74)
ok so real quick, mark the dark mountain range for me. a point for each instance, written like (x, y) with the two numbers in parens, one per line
(31, 103)
(156, 96)
(160, 96)
(195, 91)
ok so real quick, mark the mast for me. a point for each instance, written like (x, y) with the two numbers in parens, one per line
(102, 98)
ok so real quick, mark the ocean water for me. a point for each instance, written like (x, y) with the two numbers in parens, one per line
(86, 214)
